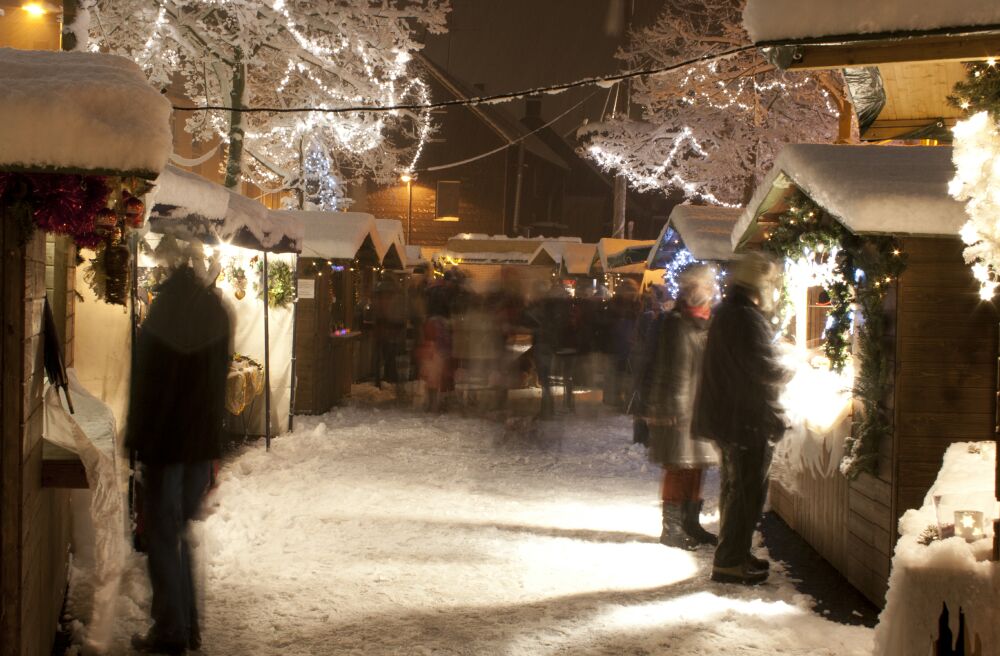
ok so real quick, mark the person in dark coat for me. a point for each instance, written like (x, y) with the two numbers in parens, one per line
(669, 395)
(175, 420)
(737, 407)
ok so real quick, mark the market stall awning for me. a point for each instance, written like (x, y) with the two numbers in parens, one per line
(188, 207)
(78, 112)
(486, 249)
(337, 235)
(705, 230)
(870, 189)
(392, 238)
(860, 32)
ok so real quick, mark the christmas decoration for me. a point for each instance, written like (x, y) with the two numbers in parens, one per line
(135, 211)
(65, 204)
(280, 282)
(859, 272)
(709, 130)
(107, 273)
(976, 154)
(980, 91)
(236, 276)
(284, 54)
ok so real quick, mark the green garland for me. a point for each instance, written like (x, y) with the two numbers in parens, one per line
(865, 268)
(980, 91)
(280, 282)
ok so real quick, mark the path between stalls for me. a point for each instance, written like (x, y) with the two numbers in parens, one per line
(381, 531)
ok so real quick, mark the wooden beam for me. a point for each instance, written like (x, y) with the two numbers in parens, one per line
(913, 49)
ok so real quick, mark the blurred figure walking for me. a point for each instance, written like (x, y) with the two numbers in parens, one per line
(176, 411)
(737, 406)
(668, 392)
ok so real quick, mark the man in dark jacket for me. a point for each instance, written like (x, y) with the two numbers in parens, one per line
(737, 406)
(175, 427)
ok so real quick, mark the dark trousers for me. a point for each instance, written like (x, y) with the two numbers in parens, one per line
(172, 496)
(741, 500)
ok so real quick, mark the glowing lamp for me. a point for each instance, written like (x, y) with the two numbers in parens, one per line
(406, 177)
(969, 525)
(34, 9)
(447, 219)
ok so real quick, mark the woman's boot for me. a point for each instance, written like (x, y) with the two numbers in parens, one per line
(691, 523)
(673, 534)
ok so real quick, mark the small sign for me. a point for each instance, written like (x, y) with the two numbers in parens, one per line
(307, 288)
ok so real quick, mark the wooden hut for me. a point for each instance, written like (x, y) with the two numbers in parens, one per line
(335, 278)
(939, 341)
(392, 245)
(86, 127)
(240, 233)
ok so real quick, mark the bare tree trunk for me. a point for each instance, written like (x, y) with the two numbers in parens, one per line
(234, 161)
(618, 218)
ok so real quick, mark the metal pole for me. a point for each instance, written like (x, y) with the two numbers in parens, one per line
(409, 211)
(291, 394)
(518, 183)
(267, 362)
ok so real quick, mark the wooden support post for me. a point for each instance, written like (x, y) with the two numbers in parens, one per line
(267, 360)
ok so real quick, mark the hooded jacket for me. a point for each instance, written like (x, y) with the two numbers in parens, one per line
(737, 400)
(181, 361)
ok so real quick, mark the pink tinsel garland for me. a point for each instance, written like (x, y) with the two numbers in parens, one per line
(61, 203)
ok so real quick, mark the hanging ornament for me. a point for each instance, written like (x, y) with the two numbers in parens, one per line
(135, 211)
(239, 294)
(105, 219)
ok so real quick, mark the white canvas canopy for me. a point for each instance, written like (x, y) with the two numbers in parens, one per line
(705, 230)
(188, 207)
(393, 254)
(869, 189)
(785, 20)
(336, 235)
(80, 111)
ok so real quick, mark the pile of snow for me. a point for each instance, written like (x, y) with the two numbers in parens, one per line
(869, 189)
(188, 207)
(392, 237)
(951, 571)
(705, 229)
(782, 20)
(374, 532)
(82, 112)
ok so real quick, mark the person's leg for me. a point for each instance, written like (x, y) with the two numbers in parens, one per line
(197, 477)
(163, 486)
(674, 492)
(741, 503)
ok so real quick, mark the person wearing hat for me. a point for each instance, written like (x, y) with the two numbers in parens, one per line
(737, 407)
(668, 390)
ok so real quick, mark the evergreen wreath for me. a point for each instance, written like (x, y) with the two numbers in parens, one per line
(864, 270)
(280, 282)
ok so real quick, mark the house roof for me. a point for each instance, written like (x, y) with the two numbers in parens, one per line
(80, 112)
(188, 206)
(336, 235)
(869, 189)
(607, 247)
(506, 127)
(578, 258)
(705, 230)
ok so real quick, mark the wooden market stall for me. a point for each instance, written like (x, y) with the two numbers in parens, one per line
(335, 278)
(924, 345)
(692, 233)
(244, 238)
(80, 136)
(516, 264)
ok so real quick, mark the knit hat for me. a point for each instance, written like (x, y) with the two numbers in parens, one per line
(696, 284)
(754, 271)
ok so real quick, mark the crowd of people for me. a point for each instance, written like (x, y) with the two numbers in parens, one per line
(700, 378)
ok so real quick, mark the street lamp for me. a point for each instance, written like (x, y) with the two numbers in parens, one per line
(408, 179)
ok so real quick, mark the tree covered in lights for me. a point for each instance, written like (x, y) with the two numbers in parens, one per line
(281, 54)
(711, 130)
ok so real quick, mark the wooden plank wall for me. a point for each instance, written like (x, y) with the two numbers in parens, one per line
(35, 522)
(946, 372)
(816, 510)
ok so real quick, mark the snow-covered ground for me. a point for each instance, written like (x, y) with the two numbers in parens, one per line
(387, 531)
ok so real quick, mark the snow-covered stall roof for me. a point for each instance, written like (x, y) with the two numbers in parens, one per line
(500, 249)
(578, 258)
(188, 206)
(392, 239)
(870, 189)
(786, 20)
(336, 235)
(552, 252)
(76, 111)
(706, 230)
(415, 256)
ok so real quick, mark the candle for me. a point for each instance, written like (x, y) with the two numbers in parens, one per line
(969, 524)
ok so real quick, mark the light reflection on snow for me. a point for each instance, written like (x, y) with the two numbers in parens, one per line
(700, 608)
